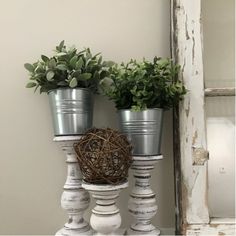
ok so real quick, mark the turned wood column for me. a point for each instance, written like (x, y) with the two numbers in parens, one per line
(75, 200)
(105, 218)
(142, 203)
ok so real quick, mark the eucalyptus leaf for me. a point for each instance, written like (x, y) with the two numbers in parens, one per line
(61, 45)
(73, 83)
(100, 60)
(85, 76)
(29, 67)
(52, 63)
(79, 63)
(61, 67)
(73, 61)
(50, 75)
(88, 54)
(60, 54)
(30, 85)
(44, 58)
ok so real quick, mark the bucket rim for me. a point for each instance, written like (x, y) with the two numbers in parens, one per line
(68, 88)
(148, 109)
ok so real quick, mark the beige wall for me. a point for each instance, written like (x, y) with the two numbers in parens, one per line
(32, 168)
(219, 42)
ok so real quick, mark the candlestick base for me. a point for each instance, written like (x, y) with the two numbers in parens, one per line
(105, 218)
(75, 200)
(142, 203)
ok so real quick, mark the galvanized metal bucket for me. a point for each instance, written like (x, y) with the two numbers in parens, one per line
(72, 110)
(143, 128)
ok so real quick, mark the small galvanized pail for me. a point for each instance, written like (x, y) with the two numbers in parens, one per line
(143, 128)
(72, 110)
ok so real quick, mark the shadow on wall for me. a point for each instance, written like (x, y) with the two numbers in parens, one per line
(104, 113)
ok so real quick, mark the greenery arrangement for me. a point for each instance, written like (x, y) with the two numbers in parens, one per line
(67, 68)
(142, 85)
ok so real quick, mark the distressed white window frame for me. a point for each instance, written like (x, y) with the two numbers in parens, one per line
(191, 155)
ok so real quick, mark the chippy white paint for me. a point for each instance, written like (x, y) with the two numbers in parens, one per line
(142, 203)
(105, 218)
(211, 229)
(188, 52)
(75, 200)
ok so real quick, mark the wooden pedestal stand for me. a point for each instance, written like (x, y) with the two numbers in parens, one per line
(75, 200)
(142, 203)
(105, 218)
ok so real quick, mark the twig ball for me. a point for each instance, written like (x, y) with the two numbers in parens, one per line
(104, 155)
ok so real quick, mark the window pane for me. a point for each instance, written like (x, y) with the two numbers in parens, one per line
(220, 114)
(218, 40)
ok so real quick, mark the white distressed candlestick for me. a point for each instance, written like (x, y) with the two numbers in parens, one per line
(142, 203)
(105, 218)
(75, 200)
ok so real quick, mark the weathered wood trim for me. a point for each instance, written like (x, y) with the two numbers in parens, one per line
(190, 154)
(210, 229)
(214, 92)
(187, 51)
(176, 144)
(177, 173)
(200, 156)
(226, 221)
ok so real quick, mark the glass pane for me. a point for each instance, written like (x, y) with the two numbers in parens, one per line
(218, 41)
(220, 113)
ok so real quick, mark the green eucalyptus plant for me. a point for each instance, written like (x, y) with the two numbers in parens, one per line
(67, 68)
(141, 85)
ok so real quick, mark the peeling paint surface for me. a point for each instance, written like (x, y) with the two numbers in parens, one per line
(187, 50)
(200, 156)
(195, 135)
(211, 229)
